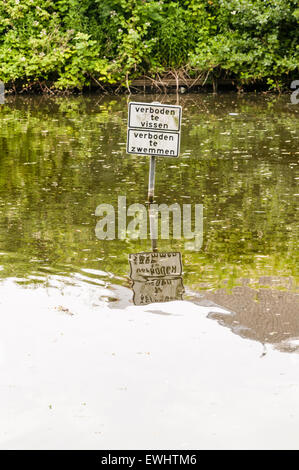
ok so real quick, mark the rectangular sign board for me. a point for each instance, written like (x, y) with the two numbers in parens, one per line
(155, 116)
(155, 265)
(154, 129)
(153, 143)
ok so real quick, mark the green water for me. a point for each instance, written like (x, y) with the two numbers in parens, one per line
(61, 157)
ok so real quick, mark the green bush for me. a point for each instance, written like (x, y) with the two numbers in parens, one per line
(71, 44)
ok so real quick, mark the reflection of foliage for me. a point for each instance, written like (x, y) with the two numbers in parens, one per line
(61, 158)
(67, 44)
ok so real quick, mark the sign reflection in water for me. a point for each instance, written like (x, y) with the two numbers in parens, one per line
(156, 277)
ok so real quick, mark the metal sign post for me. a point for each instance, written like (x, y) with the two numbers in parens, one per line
(154, 130)
(151, 180)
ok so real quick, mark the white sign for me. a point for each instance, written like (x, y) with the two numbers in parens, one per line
(154, 129)
(153, 143)
(155, 265)
(155, 116)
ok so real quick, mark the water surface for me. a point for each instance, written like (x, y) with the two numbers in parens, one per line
(61, 157)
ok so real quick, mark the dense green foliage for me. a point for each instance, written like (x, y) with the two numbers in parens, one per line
(67, 44)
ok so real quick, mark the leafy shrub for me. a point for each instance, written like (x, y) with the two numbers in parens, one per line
(71, 44)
